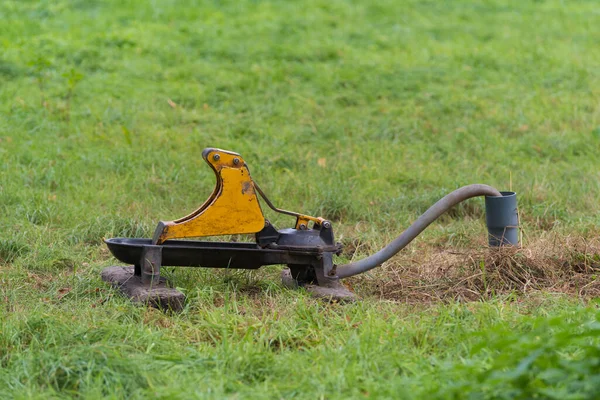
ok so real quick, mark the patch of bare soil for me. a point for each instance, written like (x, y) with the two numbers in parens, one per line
(553, 263)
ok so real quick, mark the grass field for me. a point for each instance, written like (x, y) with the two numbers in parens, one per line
(363, 112)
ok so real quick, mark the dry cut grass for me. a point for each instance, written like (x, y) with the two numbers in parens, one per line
(553, 263)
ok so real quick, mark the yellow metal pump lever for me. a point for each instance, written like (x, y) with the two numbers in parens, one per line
(232, 208)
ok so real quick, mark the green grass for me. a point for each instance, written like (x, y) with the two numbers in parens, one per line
(105, 107)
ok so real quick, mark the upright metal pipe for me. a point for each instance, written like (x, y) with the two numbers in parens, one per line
(443, 205)
(502, 219)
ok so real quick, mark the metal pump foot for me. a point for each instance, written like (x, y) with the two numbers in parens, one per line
(335, 291)
(143, 283)
(157, 295)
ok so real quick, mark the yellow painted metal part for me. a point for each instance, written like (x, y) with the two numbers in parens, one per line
(303, 220)
(232, 208)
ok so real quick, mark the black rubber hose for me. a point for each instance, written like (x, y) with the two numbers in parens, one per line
(443, 205)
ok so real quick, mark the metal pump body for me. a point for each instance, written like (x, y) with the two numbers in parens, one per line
(234, 208)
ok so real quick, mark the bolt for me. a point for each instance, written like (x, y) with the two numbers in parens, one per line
(302, 227)
(267, 223)
(236, 161)
(216, 157)
(326, 224)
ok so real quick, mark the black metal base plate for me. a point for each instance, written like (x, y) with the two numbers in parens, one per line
(157, 295)
(337, 293)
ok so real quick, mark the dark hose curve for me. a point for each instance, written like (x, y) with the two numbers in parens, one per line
(443, 205)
